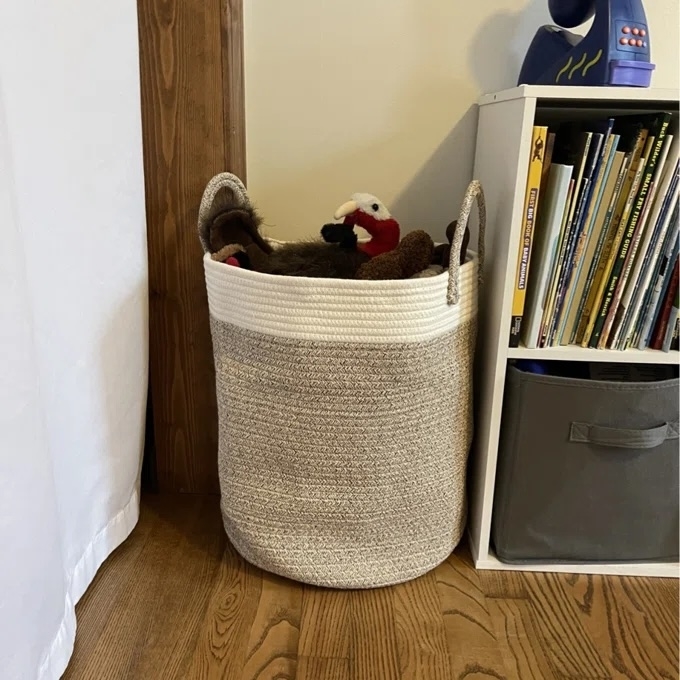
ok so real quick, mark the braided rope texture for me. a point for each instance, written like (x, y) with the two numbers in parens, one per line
(473, 192)
(340, 310)
(342, 464)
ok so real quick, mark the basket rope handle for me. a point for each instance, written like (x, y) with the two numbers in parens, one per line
(474, 191)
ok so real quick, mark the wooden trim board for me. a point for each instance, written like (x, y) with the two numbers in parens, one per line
(191, 66)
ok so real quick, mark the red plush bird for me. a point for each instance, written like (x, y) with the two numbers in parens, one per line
(366, 211)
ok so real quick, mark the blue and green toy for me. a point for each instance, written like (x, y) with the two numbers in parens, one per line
(614, 52)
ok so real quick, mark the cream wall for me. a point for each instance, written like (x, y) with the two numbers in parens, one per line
(379, 97)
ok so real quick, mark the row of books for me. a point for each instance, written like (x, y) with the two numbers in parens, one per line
(598, 259)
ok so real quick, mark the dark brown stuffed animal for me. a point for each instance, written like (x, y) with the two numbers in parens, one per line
(238, 227)
(413, 254)
(443, 251)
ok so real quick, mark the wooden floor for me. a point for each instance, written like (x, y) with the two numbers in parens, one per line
(176, 601)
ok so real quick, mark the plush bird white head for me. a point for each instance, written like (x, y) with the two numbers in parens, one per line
(370, 213)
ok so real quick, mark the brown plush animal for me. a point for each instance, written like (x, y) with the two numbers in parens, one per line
(230, 220)
(238, 228)
(413, 254)
(442, 252)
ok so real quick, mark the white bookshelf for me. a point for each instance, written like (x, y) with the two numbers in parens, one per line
(503, 143)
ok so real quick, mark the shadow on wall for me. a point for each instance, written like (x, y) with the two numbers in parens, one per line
(444, 178)
(429, 201)
(495, 58)
(498, 48)
(421, 160)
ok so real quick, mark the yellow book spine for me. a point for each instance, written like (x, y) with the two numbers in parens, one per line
(609, 228)
(615, 233)
(612, 255)
(584, 247)
(531, 198)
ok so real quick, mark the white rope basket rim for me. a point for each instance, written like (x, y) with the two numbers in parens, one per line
(473, 192)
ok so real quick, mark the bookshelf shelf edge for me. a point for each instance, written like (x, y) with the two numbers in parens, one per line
(645, 96)
(569, 353)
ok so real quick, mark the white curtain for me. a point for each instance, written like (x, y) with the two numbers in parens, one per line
(73, 314)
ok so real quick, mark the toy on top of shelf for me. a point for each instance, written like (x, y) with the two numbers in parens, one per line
(614, 52)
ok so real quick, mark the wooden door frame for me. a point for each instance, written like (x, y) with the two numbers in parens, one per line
(193, 121)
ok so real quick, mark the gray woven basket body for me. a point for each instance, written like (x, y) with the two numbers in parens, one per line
(345, 419)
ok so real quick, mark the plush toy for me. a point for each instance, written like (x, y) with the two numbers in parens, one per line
(415, 257)
(228, 219)
(443, 251)
(233, 255)
(366, 211)
(413, 254)
(235, 234)
(230, 231)
(228, 225)
(339, 254)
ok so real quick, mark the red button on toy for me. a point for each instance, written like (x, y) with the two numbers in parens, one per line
(643, 33)
(638, 43)
(636, 31)
(624, 41)
(625, 29)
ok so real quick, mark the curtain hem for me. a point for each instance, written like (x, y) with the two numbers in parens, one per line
(102, 545)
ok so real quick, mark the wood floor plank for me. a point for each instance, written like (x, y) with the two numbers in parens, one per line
(503, 584)
(113, 579)
(519, 642)
(632, 628)
(177, 602)
(571, 652)
(658, 599)
(167, 646)
(317, 668)
(373, 649)
(325, 627)
(222, 643)
(275, 633)
(473, 648)
(120, 644)
(420, 630)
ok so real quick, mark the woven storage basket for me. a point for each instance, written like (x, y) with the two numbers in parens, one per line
(345, 415)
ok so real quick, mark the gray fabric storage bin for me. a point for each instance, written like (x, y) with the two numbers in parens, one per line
(587, 471)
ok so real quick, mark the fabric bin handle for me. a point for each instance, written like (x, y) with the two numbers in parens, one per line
(623, 439)
(474, 191)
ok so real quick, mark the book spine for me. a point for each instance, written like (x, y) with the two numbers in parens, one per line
(601, 252)
(548, 311)
(531, 198)
(624, 198)
(672, 329)
(665, 310)
(626, 286)
(592, 152)
(655, 236)
(668, 224)
(651, 303)
(567, 272)
(665, 283)
(584, 247)
(617, 279)
(553, 202)
(633, 261)
(547, 160)
(599, 312)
